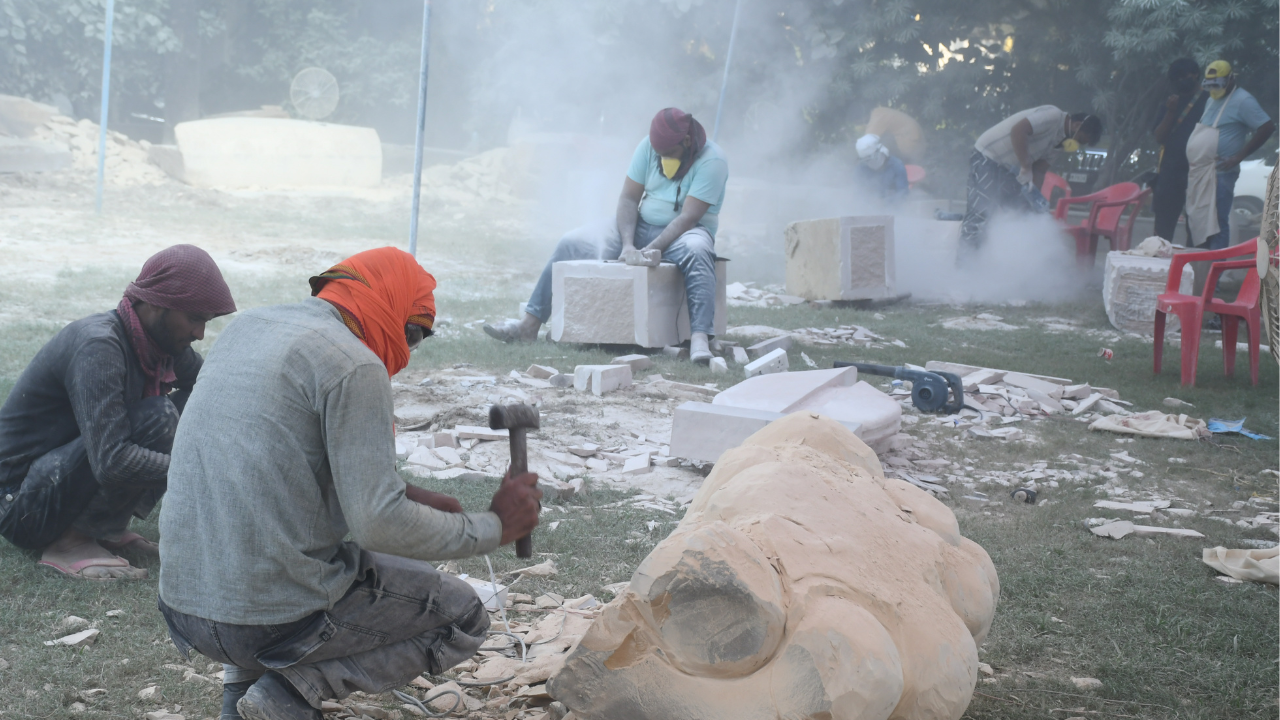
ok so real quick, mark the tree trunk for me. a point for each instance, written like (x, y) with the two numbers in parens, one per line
(182, 70)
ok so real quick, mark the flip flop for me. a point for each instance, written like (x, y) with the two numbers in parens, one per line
(76, 569)
(131, 541)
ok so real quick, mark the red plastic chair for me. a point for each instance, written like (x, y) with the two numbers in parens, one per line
(1106, 214)
(915, 174)
(1190, 309)
(1054, 181)
(1247, 306)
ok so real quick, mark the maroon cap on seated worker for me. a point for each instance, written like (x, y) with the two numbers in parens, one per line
(670, 127)
(183, 278)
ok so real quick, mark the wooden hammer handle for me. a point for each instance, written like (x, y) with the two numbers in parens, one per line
(519, 466)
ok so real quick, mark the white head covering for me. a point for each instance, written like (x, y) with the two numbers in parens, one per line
(872, 152)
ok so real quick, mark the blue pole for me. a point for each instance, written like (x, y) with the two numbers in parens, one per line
(422, 121)
(106, 101)
(728, 59)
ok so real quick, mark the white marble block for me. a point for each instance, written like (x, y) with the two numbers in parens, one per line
(277, 152)
(774, 361)
(846, 258)
(703, 431)
(836, 393)
(613, 303)
(1130, 285)
(600, 379)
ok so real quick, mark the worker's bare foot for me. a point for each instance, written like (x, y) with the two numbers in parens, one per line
(134, 542)
(511, 330)
(79, 555)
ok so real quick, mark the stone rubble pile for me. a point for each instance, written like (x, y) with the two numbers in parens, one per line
(996, 398)
(127, 162)
(459, 448)
(746, 294)
(850, 334)
(475, 183)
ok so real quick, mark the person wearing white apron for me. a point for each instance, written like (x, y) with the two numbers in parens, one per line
(1214, 151)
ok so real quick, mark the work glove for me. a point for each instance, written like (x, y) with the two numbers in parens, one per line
(1024, 177)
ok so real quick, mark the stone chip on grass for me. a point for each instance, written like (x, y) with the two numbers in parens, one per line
(80, 639)
(1087, 683)
(71, 622)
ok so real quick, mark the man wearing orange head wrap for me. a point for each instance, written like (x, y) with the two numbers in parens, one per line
(286, 447)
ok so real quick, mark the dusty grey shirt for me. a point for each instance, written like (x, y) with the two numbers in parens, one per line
(1047, 131)
(285, 446)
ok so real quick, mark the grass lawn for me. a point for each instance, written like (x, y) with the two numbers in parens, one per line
(1144, 616)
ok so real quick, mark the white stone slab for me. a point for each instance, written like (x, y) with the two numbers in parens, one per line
(637, 465)
(719, 366)
(835, 393)
(607, 378)
(277, 152)
(703, 431)
(764, 347)
(494, 596)
(1130, 284)
(1020, 380)
(637, 362)
(480, 433)
(619, 304)
(426, 458)
(773, 362)
(846, 258)
(449, 456)
(541, 372)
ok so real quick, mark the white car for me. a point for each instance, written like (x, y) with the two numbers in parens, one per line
(1251, 188)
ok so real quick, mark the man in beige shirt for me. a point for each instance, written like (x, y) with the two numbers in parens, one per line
(1009, 162)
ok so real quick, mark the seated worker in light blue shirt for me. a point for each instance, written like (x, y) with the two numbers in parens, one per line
(878, 171)
(668, 210)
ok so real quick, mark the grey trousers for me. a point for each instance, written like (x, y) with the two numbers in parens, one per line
(61, 492)
(399, 619)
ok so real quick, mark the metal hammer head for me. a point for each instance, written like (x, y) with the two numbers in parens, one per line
(513, 417)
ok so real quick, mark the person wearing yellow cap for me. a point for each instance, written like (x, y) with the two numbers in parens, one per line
(1214, 151)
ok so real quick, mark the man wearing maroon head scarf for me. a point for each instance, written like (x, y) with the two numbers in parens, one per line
(669, 210)
(85, 433)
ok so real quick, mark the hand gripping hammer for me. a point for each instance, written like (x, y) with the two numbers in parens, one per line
(516, 419)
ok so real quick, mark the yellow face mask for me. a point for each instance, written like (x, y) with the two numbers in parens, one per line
(1071, 145)
(1217, 93)
(670, 166)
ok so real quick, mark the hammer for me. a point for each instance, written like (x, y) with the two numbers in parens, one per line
(516, 419)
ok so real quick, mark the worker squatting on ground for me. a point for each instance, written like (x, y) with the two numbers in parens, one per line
(285, 447)
(1215, 149)
(1009, 162)
(85, 433)
(669, 210)
(879, 172)
(1174, 122)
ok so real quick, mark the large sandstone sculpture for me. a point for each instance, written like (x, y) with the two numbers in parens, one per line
(801, 583)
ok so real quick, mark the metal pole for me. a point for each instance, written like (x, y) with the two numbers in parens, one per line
(106, 101)
(728, 59)
(422, 121)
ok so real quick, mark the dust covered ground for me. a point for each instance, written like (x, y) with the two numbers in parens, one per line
(1142, 615)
